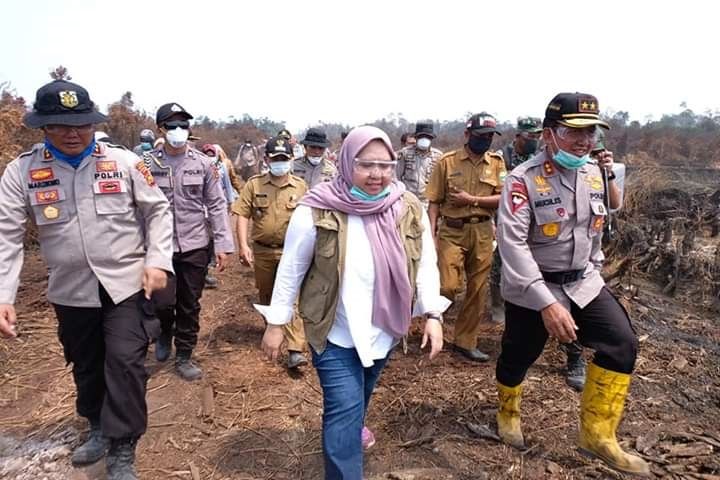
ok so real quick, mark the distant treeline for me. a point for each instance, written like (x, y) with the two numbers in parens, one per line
(683, 139)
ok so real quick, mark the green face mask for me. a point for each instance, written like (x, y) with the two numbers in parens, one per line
(360, 194)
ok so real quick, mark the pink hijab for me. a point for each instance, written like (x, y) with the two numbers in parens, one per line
(392, 295)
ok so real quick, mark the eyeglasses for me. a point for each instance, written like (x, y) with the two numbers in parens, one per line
(65, 129)
(184, 124)
(568, 134)
(384, 167)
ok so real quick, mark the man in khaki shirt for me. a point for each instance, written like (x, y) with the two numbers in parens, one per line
(463, 192)
(269, 200)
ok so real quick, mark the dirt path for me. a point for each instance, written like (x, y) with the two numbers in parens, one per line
(258, 422)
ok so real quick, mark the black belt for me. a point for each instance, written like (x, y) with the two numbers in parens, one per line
(269, 245)
(459, 222)
(561, 278)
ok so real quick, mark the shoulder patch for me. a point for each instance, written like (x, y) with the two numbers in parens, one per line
(518, 196)
(145, 172)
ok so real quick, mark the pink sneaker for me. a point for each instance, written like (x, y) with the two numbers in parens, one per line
(368, 439)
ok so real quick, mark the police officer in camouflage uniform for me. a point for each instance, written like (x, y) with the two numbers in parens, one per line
(314, 167)
(415, 162)
(269, 200)
(464, 191)
(192, 185)
(550, 225)
(105, 232)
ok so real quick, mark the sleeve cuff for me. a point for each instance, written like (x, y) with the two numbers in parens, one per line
(162, 264)
(7, 296)
(275, 315)
(435, 304)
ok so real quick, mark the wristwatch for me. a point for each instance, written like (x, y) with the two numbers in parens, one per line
(435, 316)
(611, 176)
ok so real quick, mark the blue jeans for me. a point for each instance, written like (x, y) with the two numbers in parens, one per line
(347, 387)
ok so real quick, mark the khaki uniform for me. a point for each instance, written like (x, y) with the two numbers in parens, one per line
(465, 234)
(88, 224)
(553, 223)
(314, 174)
(270, 205)
(414, 168)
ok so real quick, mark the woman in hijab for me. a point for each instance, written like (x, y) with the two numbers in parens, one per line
(359, 255)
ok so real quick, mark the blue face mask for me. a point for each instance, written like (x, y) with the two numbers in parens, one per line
(567, 159)
(146, 146)
(360, 194)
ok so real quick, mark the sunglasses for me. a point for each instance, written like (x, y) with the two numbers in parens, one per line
(184, 124)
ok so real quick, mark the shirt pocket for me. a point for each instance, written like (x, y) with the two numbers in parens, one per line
(548, 225)
(597, 220)
(111, 197)
(193, 186)
(48, 206)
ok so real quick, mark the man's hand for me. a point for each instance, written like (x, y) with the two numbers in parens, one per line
(7, 321)
(461, 198)
(559, 323)
(221, 261)
(605, 160)
(434, 332)
(246, 255)
(271, 341)
(153, 279)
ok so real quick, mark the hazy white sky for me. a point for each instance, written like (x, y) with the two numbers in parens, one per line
(353, 62)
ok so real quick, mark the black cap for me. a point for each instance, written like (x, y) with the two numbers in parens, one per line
(285, 133)
(481, 123)
(277, 146)
(170, 109)
(426, 129)
(575, 110)
(63, 103)
(315, 137)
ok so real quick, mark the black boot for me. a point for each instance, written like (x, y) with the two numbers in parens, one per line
(186, 368)
(121, 460)
(94, 447)
(163, 346)
(575, 373)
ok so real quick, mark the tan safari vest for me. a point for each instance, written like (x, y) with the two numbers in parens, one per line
(320, 290)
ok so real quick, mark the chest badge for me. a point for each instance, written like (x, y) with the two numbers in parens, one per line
(51, 212)
(551, 229)
(541, 185)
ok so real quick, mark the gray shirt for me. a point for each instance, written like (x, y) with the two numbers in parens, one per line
(314, 174)
(414, 168)
(89, 224)
(192, 185)
(551, 221)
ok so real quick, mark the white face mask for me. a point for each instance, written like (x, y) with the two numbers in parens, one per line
(177, 137)
(315, 161)
(423, 143)
(278, 169)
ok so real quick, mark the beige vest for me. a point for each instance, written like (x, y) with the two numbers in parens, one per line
(320, 290)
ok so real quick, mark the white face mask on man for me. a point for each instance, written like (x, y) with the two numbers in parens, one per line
(315, 161)
(177, 137)
(423, 143)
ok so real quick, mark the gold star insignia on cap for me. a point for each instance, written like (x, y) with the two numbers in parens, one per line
(68, 98)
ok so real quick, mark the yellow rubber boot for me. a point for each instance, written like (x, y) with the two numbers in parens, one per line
(601, 408)
(508, 415)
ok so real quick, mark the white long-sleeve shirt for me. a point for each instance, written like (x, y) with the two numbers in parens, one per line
(353, 325)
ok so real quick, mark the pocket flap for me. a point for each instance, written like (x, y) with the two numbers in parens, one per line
(193, 180)
(543, 216)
